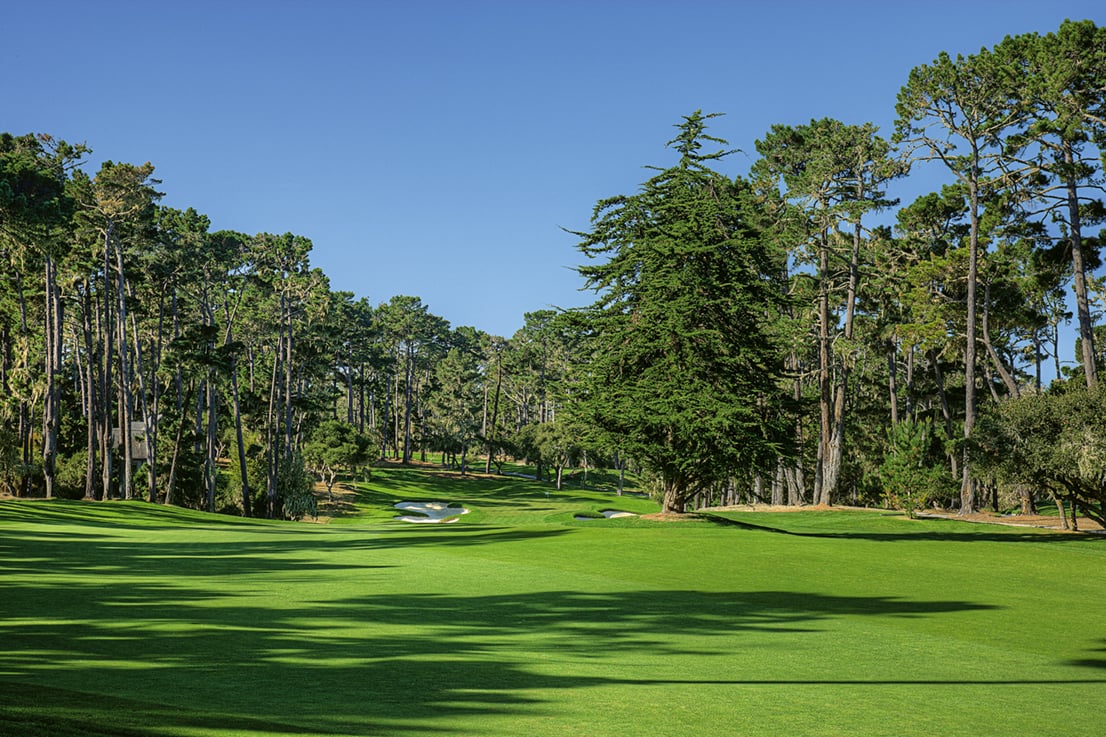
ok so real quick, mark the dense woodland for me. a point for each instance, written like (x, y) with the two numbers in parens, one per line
(790, 336)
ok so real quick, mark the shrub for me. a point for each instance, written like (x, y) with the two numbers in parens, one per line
(70, 474)
(295, 487)
(909, 476)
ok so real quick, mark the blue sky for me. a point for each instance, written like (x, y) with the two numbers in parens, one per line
(439, 148)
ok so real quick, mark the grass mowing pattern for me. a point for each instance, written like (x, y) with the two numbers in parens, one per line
(127, 619)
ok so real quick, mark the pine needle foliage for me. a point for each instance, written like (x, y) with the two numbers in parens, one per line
(685, 374)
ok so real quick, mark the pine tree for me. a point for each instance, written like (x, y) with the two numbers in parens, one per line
(688, 375)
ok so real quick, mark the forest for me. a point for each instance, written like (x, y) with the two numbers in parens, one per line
(791, 336)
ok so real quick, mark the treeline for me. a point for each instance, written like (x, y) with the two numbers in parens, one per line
(913, 338)
(146, 356)
(772, 337)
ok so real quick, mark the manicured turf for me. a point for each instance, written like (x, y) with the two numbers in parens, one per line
(128, 619)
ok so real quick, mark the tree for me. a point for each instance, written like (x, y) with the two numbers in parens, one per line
(836, 173)
(1054, 441)
(688, 371)
(1064, 88)
(287, 290)
(119, 210)
(495, 349)
(957, 111)
(415, 334)
(558, 445)
(908, 473)
(334, 447)
(34, 206)
(455, 404)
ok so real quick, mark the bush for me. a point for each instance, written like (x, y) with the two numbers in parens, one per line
(256, 473)
(909, 475)
(295, 488)
(13, 471)
(69, 475)
(1054, 441)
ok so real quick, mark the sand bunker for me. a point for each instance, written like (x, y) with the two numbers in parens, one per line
(609, 514)
(430, 512)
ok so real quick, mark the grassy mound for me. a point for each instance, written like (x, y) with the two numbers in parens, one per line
(127, 619)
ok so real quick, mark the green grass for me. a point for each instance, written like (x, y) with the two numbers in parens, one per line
(126, 619)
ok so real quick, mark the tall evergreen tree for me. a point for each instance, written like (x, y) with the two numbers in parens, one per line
(836, 173)
(958, 111)
(688, 377)
(1063, 88)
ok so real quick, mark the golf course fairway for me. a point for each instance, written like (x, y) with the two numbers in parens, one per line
(125, 618)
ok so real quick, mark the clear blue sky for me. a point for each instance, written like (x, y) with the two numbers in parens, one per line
(439, 148)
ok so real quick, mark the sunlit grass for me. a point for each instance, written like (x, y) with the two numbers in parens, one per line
(496, 499)
(132, 619)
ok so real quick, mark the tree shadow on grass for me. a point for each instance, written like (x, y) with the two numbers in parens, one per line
(193, 635)
(126, 515)
(1096, 661)
(374, 663)
(63, 552)
(388, 664)
(384, 664)
(942, 530)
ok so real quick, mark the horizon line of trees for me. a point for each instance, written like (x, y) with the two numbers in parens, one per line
(767, 337)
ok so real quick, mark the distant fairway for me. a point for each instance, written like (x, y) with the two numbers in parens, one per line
(132, 619)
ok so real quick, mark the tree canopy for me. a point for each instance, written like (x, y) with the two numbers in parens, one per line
(687, 378)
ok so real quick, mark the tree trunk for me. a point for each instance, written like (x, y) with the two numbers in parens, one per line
(837, 438)
(989, 382)
(408, 378)
(1028, 504)
(289, 395)
(126, 398)
(246, 504)
(674, 500)
(170, 484)
(796, 488)
(211, 470)
(778, 485)
(273, 459)
(910, 383)
(620, 465)
(946, 411)
(985, 336)
(395, 415)
(90, 364)
(892, 385)
(51, 411)
(148, 418)
(822, 489)
(1082, 305)
(1060, 509)
(107, 356)
(495, 414)
(967, 488)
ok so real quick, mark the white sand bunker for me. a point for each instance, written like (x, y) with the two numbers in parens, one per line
(430, 512)
(609, 514)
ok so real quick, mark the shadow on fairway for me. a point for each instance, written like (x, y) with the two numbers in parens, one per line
(1098, 661)
(109, 553)
(351, 676)
(336, 665)
(944, 530)
(139, 515)
(142, 618)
